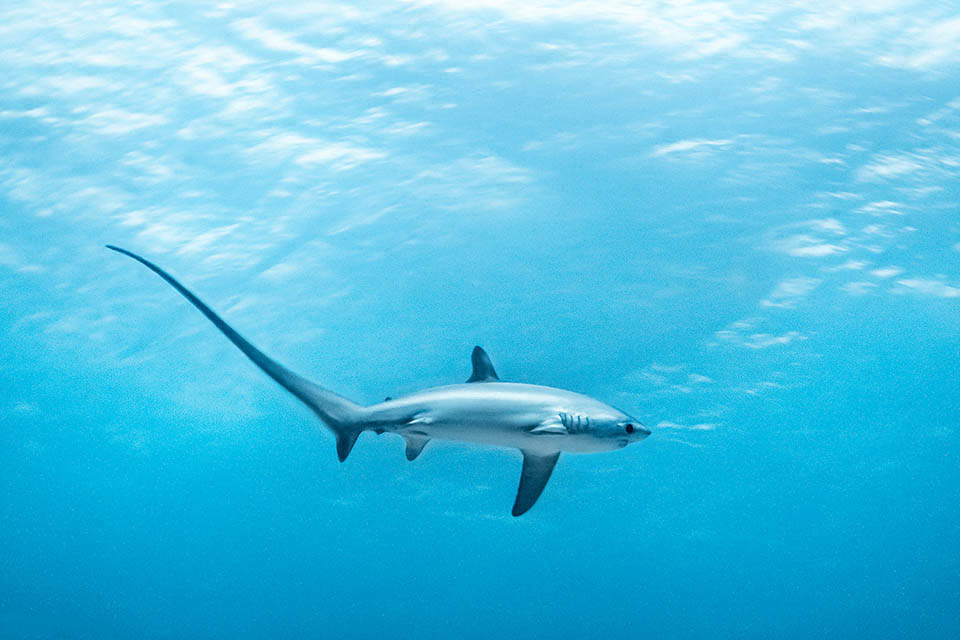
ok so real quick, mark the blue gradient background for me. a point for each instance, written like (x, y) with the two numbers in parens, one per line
(736, 221)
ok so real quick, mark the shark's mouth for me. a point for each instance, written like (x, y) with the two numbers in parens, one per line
(622, 443)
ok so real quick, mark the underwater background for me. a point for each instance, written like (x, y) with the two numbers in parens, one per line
(736, 221)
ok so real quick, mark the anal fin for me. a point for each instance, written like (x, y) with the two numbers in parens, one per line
(533, 478)
(345, 442)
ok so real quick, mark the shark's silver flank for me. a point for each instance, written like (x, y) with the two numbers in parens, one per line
(540, 421)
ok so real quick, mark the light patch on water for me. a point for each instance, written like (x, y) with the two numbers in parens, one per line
(858, 288)
(686, 146)
(886, 272)
(927, 287)
(790, 292)
(703, 426)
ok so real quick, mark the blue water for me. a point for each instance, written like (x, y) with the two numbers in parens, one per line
(736, 222)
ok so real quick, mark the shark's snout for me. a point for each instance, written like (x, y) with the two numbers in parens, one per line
(636, 431)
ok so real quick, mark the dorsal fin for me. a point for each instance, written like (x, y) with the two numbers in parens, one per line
(482, 367)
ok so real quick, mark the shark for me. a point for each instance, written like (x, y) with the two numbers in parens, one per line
(541, 422)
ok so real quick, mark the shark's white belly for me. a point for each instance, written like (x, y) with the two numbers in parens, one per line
(499, 436)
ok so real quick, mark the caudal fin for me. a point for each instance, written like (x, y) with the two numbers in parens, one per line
(344, 417)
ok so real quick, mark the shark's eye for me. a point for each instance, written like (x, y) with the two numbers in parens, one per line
(630, 428)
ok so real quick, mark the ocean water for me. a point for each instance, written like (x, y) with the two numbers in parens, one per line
(737, 221)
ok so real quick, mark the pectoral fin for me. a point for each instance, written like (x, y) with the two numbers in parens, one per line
(533, 478)
(549, 427)
(415, 445)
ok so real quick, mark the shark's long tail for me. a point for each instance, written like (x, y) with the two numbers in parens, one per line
(342, 416)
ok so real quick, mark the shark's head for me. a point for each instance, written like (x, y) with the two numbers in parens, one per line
(602, 429)
(624, 429)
